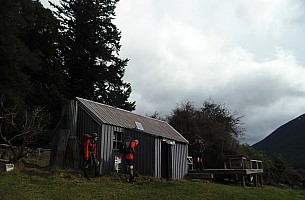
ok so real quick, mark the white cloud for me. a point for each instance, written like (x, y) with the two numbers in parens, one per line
(232, 52)
(246, 54)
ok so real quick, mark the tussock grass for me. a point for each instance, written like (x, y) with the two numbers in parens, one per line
(32, 181)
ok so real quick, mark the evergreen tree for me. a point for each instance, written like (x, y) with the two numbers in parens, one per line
(29, 60)
(90, 52)
(30, 71)
(41, 36)
(15, 57)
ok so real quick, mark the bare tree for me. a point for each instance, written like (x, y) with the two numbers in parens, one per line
(18, 130)
(156, 115)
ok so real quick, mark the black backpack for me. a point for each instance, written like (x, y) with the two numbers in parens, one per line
(125, 148)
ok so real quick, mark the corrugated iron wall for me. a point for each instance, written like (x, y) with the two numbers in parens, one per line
(144, 152)
(105, 149)
(157, 158)
(84, 124)
(148, 152)
(177, 159)
(179, 153)
(105, 155)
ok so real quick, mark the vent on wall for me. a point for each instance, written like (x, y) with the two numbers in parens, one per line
(139, 126)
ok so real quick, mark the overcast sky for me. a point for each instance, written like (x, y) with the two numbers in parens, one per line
(245, 54)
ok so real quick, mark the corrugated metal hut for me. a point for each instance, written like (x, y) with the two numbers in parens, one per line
(162, 151)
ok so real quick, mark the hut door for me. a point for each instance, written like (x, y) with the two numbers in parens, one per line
(165, 160)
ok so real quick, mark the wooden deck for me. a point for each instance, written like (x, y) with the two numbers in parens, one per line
(238, 169)
(232, 171)
(244, 176)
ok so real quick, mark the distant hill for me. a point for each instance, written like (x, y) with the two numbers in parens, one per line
(288, 140)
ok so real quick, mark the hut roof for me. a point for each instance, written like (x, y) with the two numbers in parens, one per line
(105, 114)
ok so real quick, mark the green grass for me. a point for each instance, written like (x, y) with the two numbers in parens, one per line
(47, 183)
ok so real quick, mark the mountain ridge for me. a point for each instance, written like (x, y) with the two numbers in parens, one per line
(287, 140)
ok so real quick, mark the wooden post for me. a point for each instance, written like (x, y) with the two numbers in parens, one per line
(243, 182)
(39, 151)
(261, 179)
(255, 180)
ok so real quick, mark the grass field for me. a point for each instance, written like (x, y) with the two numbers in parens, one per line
(33, 182)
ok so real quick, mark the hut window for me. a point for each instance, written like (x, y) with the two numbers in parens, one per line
(117, 140)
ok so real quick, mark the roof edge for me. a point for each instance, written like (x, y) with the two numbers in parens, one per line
(100, 121)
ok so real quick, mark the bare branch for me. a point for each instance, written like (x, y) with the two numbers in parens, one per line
(26, 129)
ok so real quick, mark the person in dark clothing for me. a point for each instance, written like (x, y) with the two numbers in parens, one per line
(199, 148)
(93, 153)
(89, 148)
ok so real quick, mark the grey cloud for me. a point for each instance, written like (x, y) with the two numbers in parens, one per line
(245, 54)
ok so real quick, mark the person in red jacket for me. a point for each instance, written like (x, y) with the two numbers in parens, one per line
(90, 161)
(86, 154)
(86, 145)
(128, 156)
